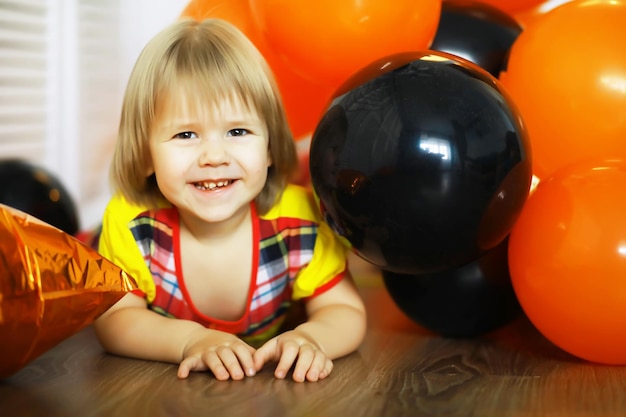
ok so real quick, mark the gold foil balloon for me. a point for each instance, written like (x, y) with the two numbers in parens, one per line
(51, 286)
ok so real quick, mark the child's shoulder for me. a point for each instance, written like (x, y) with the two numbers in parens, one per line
(121, 208)
(296, 201)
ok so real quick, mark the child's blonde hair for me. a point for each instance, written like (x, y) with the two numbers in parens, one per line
(214, 61)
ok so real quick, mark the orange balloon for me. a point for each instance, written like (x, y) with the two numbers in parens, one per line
(523, 17)
(305, 101)
(567, 260)
(512, 6)
(200, 10)
(571, 90)
(328, 40)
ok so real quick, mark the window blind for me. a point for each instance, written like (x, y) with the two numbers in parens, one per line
(101, 84)
(63, 68)
(100, 91)
(60, 91)
(23, 78)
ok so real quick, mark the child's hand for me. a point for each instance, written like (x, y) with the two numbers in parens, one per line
(297, 347)
(222, 353)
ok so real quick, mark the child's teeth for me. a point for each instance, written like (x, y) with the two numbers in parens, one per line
(213, 185)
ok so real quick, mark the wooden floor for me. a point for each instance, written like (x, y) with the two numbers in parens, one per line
(400, 370)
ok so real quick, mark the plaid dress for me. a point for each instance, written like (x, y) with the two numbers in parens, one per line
(296, 254)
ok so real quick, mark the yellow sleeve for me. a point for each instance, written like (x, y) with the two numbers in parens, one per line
(330, 253)
(329, 263)
(118, 244)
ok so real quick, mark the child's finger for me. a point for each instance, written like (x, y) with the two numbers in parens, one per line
(318, 369)
(328, 368)
(266, 353)
(183, 370)
(304, 364)
(290, 351)
(230, 362)
(187, 365)
(215, 364)
(244, 355)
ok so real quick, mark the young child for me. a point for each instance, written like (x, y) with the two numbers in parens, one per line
(205, 220)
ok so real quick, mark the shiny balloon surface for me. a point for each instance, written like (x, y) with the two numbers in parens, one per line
(423, 167)
(567, 259)
(478, 32)
(467, 301)
(36, 191)
(327, 41)
(304, 99)
(571, 90)
(513, 6)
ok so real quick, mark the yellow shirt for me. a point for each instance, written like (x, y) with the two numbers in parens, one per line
(316, 259)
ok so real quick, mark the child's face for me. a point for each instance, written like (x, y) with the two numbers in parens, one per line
(209, 161)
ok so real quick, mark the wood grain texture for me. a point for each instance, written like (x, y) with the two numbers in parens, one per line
(400, 370)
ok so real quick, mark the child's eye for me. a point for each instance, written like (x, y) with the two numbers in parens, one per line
(238, 132)
(185, 135)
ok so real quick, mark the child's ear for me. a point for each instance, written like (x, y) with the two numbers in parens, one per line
(148, 164)
(149, 169)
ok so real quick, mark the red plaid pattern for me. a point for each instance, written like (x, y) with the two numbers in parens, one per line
(283, 247)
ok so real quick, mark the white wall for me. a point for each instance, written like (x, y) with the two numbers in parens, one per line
(64, 65)
(139, 21)
(142, 19)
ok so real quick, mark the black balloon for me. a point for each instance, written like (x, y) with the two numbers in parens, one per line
(34, 190)
(462, 302)
(477, 32)
(421, 168)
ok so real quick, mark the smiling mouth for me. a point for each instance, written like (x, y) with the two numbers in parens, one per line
(212, 185)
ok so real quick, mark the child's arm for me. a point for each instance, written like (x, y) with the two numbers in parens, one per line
(335, 327)
(130, 329)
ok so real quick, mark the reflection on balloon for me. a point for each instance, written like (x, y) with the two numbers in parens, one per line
(328, 40)
(524, 17)
(411, 165)
(467, 301)
(477, 32)
(568, 261)
(570, 89)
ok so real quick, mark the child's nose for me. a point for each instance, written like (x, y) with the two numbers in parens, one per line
(213, 151)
